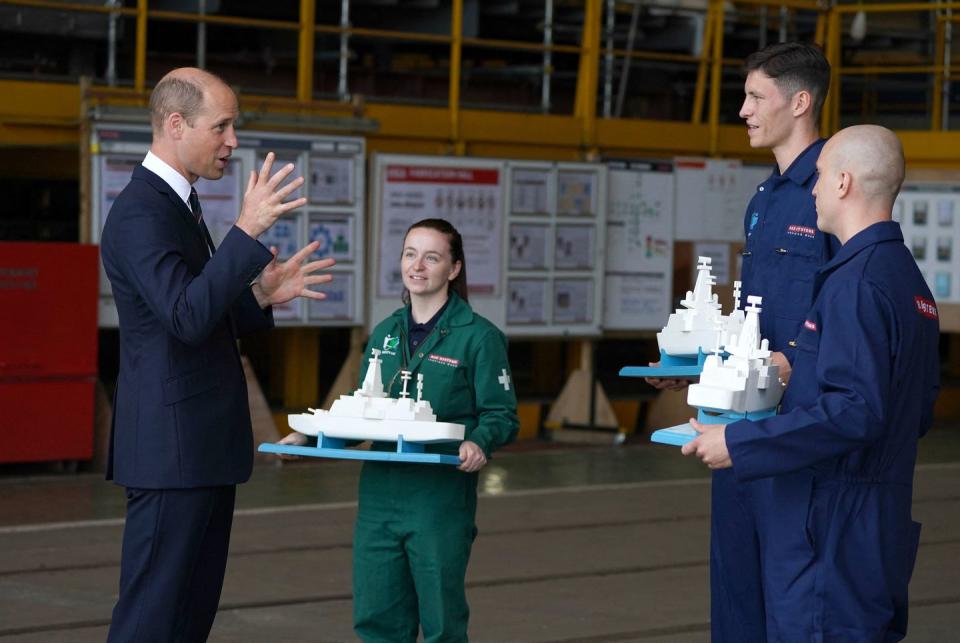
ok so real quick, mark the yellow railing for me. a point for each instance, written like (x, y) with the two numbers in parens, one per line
(709, 64)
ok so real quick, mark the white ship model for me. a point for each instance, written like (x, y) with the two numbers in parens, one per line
(369, 414)
(700, 324)
(745, 382)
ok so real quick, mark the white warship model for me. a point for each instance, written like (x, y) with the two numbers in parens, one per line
(746, 381)
(700, 324)
(369, 414)
(744, 385)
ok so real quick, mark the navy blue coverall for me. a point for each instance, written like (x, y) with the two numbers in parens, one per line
(836, 536)
(783, 251)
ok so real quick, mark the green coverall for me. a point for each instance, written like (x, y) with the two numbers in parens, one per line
(416, 522)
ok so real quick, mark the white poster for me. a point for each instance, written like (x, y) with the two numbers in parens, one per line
(528, 246)
(527, 301)
(709, 199)
(220, 201)
(115, 171)
(339, 301)
(331, 179)
(285, 235)
(468, 197)
(574, 247)
(335, 237)
(636, 301)
(576, 192)
(573, 301)
(529, 191)
(719, 254)
(640, 221)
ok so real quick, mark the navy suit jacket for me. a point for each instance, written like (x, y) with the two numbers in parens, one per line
(180, 413)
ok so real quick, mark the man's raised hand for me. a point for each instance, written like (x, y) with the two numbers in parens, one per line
(263, 202)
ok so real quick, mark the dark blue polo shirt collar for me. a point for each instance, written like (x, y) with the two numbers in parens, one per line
(804, 165)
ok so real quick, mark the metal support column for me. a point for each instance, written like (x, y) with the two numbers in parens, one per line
(305, 45)
(627, 59)
(202, 35)
(342, 91)
(140, 53)
(585, 106)
(456, 52)
(547, 57)
(705, 47)
(610, 24)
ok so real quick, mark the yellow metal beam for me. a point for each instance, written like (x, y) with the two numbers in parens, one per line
(140, 55)
(456, 50)
(831, 108)
(585, 105)
(305, 45)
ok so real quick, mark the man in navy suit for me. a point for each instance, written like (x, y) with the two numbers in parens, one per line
(181, 437)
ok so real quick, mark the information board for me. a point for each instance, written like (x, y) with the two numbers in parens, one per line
(710, 199)
(334, 170)
(639, 238)
(929, 215)
(532, 270)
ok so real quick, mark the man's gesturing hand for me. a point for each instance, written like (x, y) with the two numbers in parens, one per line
(263, 201)
(281, 281)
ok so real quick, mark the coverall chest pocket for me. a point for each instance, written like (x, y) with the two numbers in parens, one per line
(445, 385)
(796, 260)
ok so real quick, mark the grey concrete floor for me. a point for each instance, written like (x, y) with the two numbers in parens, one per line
(576, 545)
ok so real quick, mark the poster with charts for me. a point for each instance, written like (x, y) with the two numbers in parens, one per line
(928, 217)
(640, 220)
(331, 180)
(529, 191)
(574, 247)
(527, 301)
(334, 234)
(576, 192)
(573, 301)
(338, 303)
(709, 199)
(636, 301)
(528, 246)
(469, 197)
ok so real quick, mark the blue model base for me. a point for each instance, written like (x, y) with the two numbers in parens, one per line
(682, 433)
(336, 448)
(671, 367)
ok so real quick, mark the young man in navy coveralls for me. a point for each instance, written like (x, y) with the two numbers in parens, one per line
(785, 87)
(181, 437)
(835, 529)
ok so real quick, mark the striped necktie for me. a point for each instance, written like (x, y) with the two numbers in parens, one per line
(195, 205)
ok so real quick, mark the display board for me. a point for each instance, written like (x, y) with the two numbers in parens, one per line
(334, 170)
(532, 236)
(555, 248)
(639, 245)
(929, 215)
(711, 196)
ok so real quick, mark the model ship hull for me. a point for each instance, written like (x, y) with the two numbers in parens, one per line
(358, 428)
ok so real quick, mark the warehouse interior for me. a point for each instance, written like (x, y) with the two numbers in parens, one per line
(588, 532)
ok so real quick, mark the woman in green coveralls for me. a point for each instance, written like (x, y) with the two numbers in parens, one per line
(416, 522)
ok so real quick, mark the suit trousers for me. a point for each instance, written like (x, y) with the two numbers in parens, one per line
(175, 544)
